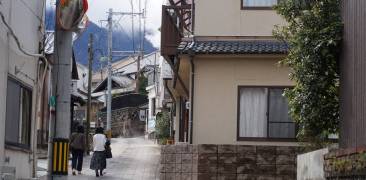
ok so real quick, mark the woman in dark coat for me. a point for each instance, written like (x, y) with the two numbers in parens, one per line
(77, 148)
(98, 161)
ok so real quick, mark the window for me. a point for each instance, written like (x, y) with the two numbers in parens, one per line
(153, 106)
(263, 113)
(258, 4)
(18, 114)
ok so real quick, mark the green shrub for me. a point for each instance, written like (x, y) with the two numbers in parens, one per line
(314, 33)
(162, 126)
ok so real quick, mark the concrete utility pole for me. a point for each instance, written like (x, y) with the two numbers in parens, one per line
(63, 57)
(109, 94)
(109, 65)
(60, 102)
(90, 74)
(62, 81)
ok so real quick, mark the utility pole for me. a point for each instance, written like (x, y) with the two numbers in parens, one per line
(90, 73)
(60, 124)
(109, 64)
(63, 88)
(109, 94)
(139, 53)
(60, 132)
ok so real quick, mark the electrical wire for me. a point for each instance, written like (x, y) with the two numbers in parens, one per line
(12, 33)
(16, 38)
(32, 11)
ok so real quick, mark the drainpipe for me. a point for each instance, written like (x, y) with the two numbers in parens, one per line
(191, 101)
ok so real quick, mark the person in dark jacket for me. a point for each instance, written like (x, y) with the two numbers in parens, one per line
(77, 148)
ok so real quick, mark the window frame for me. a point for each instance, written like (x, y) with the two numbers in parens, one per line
(17, 145)
(268, 138)
(242, 7)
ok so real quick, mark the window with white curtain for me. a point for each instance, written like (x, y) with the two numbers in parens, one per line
(263, 113)
(258, 3)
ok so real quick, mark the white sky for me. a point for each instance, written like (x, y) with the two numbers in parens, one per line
(98, 8)
(98, 11)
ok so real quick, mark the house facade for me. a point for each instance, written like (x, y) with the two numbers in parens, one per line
(228, 89)
(229, 67)
(18, 86)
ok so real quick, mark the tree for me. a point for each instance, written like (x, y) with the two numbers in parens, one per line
(142, 84)
(313, 33)
(162, 126)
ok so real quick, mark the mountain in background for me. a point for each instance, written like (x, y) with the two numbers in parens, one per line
(122, 41)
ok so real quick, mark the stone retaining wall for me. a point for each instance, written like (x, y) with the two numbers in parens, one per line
(228, 162)
(345, 164)
(125, 122)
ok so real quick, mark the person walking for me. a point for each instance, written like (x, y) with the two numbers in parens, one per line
(98, 161)
(77, 148)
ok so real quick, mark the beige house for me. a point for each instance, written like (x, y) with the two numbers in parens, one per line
(229, 84)
(228, 90)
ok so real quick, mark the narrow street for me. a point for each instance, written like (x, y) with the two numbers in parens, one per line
(134, 159)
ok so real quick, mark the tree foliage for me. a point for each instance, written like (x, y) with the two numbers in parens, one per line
(142, 84)
(314, 33)
(162, 125)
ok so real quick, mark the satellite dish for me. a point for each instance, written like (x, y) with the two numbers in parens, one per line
(70, 13)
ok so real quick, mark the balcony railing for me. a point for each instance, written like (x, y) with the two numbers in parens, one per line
(177, 22)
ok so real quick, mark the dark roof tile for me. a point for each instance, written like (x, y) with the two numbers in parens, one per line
(234, 47)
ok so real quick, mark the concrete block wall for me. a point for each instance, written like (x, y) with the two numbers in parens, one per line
(310, 165)
(228, 162)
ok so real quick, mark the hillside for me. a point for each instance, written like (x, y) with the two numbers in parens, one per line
(121, 42)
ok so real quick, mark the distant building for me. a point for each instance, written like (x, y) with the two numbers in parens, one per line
(158, 94)
(128, 115)
(124, 85)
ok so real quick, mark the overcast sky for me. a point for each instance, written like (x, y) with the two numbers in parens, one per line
(98, 8)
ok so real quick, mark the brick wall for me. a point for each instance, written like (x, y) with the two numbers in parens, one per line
(228, 162)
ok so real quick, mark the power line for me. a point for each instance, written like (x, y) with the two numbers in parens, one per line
(12, 33)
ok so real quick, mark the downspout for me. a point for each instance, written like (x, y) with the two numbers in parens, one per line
(191, 56)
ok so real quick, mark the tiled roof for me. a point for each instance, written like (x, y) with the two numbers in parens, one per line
(234, 47)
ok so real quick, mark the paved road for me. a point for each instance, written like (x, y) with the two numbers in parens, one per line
(134, 159)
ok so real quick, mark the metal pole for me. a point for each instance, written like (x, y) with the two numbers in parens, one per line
(88, 112)
(109, 98)
(139, 54)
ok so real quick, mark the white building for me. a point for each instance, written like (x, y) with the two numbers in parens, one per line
(123, 75)
(18, 85)
(157, 92)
